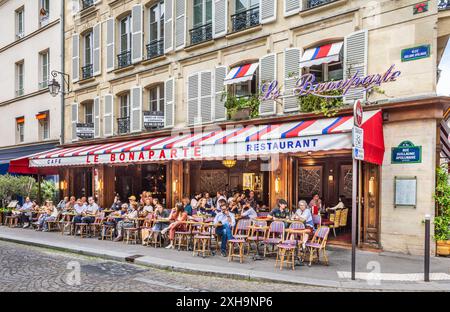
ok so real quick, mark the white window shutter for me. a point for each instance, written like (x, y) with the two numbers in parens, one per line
(96, 117)
(169, 102)
(136, 33)
(108, 115)
(205, 103)
(355, 61)
(136, 109)
(75, 57)
(110, 50)
(75, 7)
(292, 7)
(192, 98)
(97, 65)
(267, 74)
(292, 58)
(168, 26)
(268, 11)
(180, 24)
(220, 18)
(220, 112)
(74, 120)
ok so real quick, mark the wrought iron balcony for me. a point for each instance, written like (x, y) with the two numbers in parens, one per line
(124, 59)
(86, 71)
(87, 4)
(123, 125)
(201, 33)
(155, 49)
(153, 120)
(444, 5)
(315, 3)
(246, 19)
(85, 130)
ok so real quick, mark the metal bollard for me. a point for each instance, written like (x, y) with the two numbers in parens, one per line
(427, 248)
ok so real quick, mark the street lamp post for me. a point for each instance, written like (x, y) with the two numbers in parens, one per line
(54, 87)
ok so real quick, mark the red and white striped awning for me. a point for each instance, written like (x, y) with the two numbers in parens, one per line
(249, 141)
(321, 55)
(241, 73)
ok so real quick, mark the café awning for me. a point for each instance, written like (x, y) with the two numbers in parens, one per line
(241, 73)
(250, 141)
(16, 160)
(321, 55)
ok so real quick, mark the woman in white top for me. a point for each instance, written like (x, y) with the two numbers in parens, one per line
(304, 214)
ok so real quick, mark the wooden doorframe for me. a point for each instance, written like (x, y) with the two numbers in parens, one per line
(370, 227)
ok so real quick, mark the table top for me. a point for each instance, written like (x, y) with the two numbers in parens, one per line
(297, 231)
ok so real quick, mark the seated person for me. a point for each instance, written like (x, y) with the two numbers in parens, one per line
(51, 214)
(177, 216)
(209, 200)
(127, 221)
(234, 207)
(280, 212)
(224, 222)
(148, 207)
(187, 206)
(62, 204)
(79, 208)
(70, 205)
(315, 204)
(160, 213)
(90, 212)
(117, 204)
(304, 214)
(340, 204)
(114, 218)
(26, 212)
(248, 212)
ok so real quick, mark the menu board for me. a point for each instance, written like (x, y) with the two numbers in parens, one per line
(405, 191)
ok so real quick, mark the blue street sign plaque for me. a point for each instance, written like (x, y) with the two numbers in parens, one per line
(406, 152)
(416, 53)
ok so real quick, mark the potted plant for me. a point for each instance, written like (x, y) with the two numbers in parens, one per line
(442, 220)
(240, 108)
(328, 104)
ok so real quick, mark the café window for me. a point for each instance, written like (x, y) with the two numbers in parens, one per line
(88, 112)
(20, 129)
(202, 12)
(325, 62)
(123, 122)
(242, 80)
(44, 125)
(87, 69)
(156, 98)
(44, 11)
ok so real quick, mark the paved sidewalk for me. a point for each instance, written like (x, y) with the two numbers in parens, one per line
(395, 271)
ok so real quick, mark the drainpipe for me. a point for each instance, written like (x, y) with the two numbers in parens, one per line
(62, 21)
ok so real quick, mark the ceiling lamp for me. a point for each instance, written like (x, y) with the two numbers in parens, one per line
(229, 163)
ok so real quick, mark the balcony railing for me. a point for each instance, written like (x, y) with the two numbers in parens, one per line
(315, 3)
(444, 5)
(124, 59)
(246, 19)
(85, 130)
(155, 49)
(86, 71)
(201, 33)
(123, 125)
(86, 4)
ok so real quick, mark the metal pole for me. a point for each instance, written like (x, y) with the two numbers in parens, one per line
(62, 21)
(359, 201)
(427, 249)
(354, 216)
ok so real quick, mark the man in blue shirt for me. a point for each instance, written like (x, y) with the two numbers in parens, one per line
(26, 212)
(224, 222)
(187, 206)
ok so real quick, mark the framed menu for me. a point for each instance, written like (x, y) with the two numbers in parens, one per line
(405, 192)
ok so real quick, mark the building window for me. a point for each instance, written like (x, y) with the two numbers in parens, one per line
(44, 125)
(246, 16)
(202, 22)
(244, 89)
(123, 122)
(19, 78)
(156, 98)
(20, 127)
(89, 113)
(87, 69)
(44, 68)
(20, 26)
(44, 11)
(156, 31)
(124, 57)
(327, 72)
(324, 61)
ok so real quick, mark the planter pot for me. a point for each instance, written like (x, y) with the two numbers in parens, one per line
(243, 113)
(443, 248)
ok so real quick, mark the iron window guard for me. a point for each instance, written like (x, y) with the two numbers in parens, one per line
(245, 19)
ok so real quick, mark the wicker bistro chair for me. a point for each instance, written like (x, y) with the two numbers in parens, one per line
(256, 235)
(318, 244)
(242, 231)
(202, 241)
(54, 224)
(285, 254)
(97, 226)
(333, 222)
(275, 235)
(344, 218)
(131, 235)
(12, 220)
(183, 236)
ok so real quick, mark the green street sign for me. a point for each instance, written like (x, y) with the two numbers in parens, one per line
(406, 152)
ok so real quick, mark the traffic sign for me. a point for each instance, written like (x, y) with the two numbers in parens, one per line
(358, 153)
(358, 113)
(358, 137)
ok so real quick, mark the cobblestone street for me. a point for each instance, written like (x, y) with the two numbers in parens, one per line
(25, 268)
